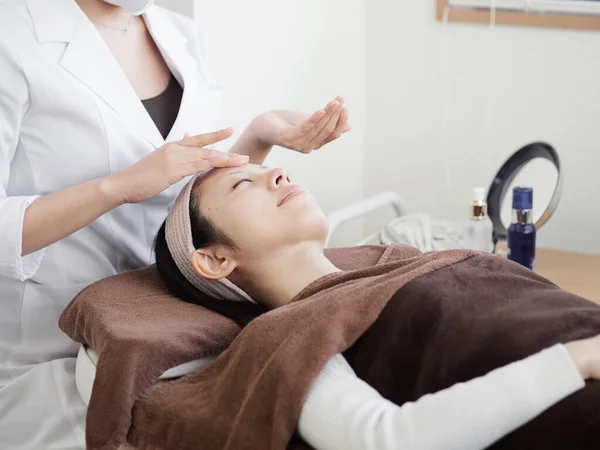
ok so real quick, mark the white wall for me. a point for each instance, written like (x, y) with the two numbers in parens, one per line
(435, 108)
(185, 7)
(498, 89)
(295, 54)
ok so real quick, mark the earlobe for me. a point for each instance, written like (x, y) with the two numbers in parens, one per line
(208, 265)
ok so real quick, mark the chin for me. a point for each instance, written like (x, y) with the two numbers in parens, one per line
(307, 219)
(313, 226)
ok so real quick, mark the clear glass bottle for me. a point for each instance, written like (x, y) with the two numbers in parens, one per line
(477, 231)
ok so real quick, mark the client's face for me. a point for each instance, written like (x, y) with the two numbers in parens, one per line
(260, 209)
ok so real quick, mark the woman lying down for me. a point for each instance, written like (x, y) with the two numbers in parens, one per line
(254, 241)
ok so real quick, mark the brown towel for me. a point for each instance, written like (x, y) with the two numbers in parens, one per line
(465, 320)
(139, 331)
(251, 396)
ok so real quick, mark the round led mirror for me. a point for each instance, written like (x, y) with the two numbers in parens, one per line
(537, 166)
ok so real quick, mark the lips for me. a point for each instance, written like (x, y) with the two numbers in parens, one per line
(288, 193)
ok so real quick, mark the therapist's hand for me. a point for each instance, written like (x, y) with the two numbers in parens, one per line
(300, 131)
(170, 164)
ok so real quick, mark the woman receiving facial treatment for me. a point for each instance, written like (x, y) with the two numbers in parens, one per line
(254, 242)
(96, 98)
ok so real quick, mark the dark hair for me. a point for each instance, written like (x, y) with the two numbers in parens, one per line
(204, 234)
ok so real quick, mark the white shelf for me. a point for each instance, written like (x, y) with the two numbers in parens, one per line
(578, 7)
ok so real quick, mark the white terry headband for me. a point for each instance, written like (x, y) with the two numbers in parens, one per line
(178, 232)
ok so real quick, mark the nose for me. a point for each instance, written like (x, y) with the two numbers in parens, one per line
(279, 178)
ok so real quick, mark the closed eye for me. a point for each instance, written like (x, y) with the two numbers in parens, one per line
(241, 181)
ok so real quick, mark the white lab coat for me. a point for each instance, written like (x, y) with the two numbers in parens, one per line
(68, 114)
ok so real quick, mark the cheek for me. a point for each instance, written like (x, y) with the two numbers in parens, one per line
(250, 221)
(257, 226)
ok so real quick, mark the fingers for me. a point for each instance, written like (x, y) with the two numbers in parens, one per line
(342, 127)
(198, 160)
(312, 122)
(202, 140)
(214, 158)
(312, 126)
(315, 131)
(331, 110)
(227, 160)
(202, 158)
(319, 140)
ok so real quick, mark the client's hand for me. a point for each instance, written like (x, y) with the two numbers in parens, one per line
(586, 355)
(170, 164)
(300, 131)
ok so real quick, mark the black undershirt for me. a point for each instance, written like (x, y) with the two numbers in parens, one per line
(163, 108)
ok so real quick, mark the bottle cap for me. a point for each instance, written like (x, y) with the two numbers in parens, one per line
(479, 195)
(522, 198)
(479, 206)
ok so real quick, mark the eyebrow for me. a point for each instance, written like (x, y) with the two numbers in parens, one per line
(235, 172)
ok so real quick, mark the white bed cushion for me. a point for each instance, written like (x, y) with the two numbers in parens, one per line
(85, 371)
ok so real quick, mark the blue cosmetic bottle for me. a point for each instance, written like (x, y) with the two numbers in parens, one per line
(521, 232)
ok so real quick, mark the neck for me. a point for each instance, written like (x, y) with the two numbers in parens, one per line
(99, 10)
(283, 275)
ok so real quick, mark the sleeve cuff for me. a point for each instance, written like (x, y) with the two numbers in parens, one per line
(12, 264)
(556, 372)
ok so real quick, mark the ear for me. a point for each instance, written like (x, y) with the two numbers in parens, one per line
(209, 264)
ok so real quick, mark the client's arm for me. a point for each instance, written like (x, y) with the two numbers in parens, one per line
(342, 412)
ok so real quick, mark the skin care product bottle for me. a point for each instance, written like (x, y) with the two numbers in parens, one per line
(521, 232)
(477, 230)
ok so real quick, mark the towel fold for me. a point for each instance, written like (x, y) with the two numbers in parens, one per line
(140, 330)
(464, 321)
(251, 396)
(409, 324)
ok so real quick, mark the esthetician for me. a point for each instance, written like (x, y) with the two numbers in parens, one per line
(96, 98)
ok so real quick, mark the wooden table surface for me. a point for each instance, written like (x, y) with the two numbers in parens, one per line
(578, 273)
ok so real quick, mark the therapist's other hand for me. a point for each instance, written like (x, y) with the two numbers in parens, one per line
(585, 353)
(170, 164)
(300, 131)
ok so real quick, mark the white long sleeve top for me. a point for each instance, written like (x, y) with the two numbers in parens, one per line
(342, 412)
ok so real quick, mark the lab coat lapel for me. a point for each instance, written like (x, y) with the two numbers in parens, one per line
(88, 58)
(172, 45)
